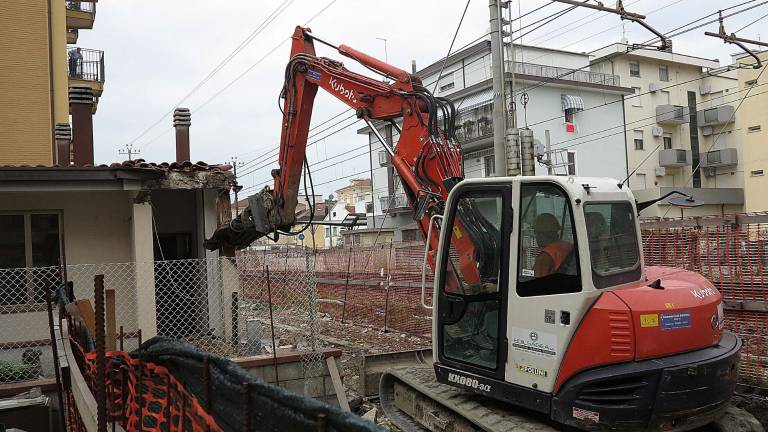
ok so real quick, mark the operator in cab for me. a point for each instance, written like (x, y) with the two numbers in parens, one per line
(553, 252)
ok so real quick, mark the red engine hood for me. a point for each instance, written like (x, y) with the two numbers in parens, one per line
(683, 316)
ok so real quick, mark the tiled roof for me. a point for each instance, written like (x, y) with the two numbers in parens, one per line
(141, 163)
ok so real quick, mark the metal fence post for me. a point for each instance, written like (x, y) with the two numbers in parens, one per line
(346, 286)
(101, 390)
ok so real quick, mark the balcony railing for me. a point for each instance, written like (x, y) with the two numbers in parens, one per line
(394, 202)
(564, 73)
(85, 64)
(83, 6)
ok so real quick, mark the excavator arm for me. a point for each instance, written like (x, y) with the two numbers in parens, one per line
(426, 156)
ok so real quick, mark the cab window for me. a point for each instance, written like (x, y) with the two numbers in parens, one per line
(613, 247)
(547, 262)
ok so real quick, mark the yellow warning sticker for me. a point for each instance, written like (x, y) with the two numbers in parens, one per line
(669, 305)
(649, 320)
(457, 232)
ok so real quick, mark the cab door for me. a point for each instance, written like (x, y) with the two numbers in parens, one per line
(546, 299)
(472, 279)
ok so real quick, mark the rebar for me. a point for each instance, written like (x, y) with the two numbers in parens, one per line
(101, 390)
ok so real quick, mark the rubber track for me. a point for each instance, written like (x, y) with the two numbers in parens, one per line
(485, 414)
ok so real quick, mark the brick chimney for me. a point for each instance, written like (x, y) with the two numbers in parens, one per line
(81, 107)
(182, 120)
(63, 135)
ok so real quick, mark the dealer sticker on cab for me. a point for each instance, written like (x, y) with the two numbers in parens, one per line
(674, 321)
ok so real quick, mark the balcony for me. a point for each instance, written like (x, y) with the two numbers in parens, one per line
(672, 115)
(565, 74)
(715, 116)
(80, 14)
(86, 68)
(394, 203)
(471, 128)
(669, 158)
(72, 35)
(719, 158)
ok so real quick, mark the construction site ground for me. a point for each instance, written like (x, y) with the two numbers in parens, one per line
(355, 341)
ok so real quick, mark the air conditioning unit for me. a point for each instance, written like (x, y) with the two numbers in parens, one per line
(657, 131)
(660, 171)
(705, 88)
(653, 87)
(384, 158)
(707, 130)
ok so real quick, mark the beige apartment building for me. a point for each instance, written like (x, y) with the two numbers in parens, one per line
(39, 65)
(681, 116)
(751, 118)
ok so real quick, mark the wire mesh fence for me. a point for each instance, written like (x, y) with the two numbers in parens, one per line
(285, 298)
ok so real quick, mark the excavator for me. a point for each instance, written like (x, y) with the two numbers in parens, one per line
(541, 302)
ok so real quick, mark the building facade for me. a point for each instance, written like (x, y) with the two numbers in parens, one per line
(39, 65)
(752, 116)
(680, 128)
(556, 96)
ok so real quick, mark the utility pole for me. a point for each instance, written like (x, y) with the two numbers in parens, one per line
(499, 104)
(128, 150)
(235, 164)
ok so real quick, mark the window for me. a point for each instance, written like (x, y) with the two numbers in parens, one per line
(756, 173)
(753, 129)
(547, 251)
(716, 98)
(710, 115)
(663, 73)
(447, 86)
(638, 134)
(473, 336)
(489, 166)
(637, 100)
(667, 138)
(663, 97)
(369, 207)
(327, 231)
(29, 256)
(571, 163)
(641, 181)
(613, 246)
(634, 69)
(335, 231)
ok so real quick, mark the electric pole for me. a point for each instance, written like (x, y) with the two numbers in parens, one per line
(236, 187)
(499, 100)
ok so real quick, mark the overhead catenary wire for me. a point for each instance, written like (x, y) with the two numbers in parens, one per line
(263, 25)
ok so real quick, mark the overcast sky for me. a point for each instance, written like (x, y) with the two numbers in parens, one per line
(158, 51)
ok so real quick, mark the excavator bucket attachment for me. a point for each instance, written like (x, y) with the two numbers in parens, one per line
(254, 222)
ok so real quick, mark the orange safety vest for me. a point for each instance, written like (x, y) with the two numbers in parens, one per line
(558, 250)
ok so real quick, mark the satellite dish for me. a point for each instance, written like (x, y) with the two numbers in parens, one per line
(330, 197)
(685, 202)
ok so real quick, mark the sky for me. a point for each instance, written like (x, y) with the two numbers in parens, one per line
(160, 54)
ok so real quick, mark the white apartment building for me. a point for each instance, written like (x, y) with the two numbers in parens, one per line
(556, 93)
(680, 116)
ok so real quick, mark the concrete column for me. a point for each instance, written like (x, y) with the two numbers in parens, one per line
(63, 135)
(182, 120)
(81, 108)
(59, 56)
(143, 256)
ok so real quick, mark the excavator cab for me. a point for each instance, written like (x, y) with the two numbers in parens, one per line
(561, 316)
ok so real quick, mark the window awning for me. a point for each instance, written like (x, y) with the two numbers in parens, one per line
(483, 97)
(572, 102)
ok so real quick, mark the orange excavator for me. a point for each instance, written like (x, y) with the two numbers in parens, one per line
(541, 300)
